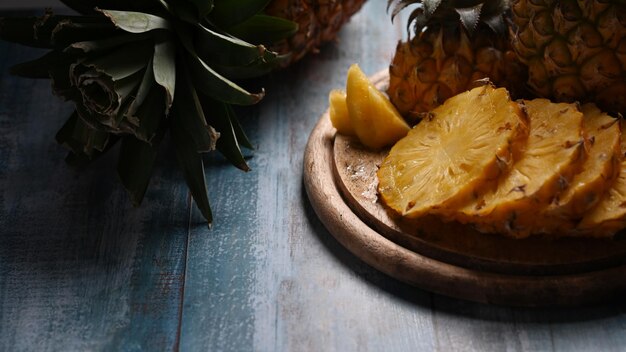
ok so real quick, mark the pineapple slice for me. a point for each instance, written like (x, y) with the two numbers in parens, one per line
(599, 170)
(338, 112)
(462, 145)
(375, 120)
(609, 215)
(554, 153)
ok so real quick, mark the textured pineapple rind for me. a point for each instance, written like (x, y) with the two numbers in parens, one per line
(497, 216)
(514, 129)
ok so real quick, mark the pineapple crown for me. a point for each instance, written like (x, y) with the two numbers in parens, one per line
(136, 70)
(470, 13)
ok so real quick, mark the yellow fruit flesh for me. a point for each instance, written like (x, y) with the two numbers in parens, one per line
(339, 112)
(600, 167)
(609, 215)
(463, 145)
(375, 120)
(587, 187)
(555, 152)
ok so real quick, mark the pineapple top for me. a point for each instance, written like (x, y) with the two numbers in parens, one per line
(469, 13)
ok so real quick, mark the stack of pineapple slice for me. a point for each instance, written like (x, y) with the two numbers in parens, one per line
(513, 168)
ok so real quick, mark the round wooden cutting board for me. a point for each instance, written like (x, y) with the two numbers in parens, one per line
(450, 258)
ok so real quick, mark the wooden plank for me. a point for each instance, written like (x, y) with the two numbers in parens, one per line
(268, 277)
(80, 269)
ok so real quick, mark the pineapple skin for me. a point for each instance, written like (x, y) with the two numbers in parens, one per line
(318, 22)
(574, 50)
(444, 61)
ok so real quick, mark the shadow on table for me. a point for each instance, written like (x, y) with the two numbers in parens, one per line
(452, 306)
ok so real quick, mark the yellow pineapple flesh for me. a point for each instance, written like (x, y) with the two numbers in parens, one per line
(609, 215)
(374, 119)
(555, 152)
(463, 145)
(338, 112)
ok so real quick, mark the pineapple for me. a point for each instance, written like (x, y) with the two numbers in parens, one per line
(586, 188)
(609, 215)
(599, 170)
(574, 50)
(318, 22)
(374, 119)
(456, 43)
(338, 111)
(462, 146)
(554, 153)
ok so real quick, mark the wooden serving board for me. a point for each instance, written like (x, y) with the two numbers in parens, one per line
(450, 258)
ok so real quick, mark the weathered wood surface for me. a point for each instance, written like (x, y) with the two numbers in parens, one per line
(80, 269)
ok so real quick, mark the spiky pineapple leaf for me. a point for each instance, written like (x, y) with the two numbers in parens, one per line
(190, 114)
(135, 165)
(470, 17)
(191, 164)
(203, 7)
(80, 138)
(136, 22)
(214, 47)
(263, 29)
(430, 6)
(164, 67)
(97, 46)
(53, 31)
(401, 5)
(227, 13)
(209, 81)
(255, 69)
(40, 67)
(221, 116)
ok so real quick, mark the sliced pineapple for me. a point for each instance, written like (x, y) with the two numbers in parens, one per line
(375, 120)
(587, 188)
(338, 112)
(554, 153)
(460, 147)
(609, 215)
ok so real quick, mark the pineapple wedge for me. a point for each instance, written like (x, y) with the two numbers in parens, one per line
(555, 152)
(462, 145)
(375, 120)
(609, 215)
(338, 112)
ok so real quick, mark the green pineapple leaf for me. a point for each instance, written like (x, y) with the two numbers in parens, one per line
(164, 67)
(191, 164)
(262, 29)
(135, 164)
(221, 116)
(190, 114)
(136, 22)
(213, 47)
(227, 13)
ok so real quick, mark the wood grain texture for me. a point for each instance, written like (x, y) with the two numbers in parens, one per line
(75, 257)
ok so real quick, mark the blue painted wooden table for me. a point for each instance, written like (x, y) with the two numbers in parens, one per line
(81, 270)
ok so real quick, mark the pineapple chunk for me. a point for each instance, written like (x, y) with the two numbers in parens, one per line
(338, 112)
(555, 152)
(462, 145)
(609, 215)
(375, 120)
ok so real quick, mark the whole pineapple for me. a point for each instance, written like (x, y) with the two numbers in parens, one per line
(575, 50)
(456, 43)
(318, 22)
